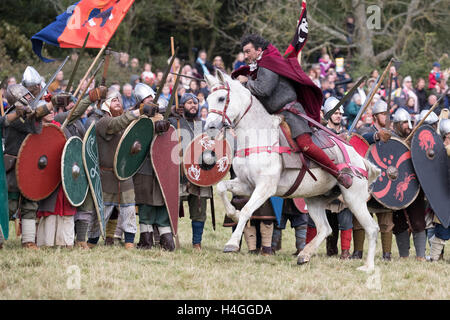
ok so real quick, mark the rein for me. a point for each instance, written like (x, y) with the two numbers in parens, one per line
(223, 113)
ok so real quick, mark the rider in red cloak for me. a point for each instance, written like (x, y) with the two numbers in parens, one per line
(282, 87)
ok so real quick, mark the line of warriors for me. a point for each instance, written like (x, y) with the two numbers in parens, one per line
(53, 221)
(63, 225)
(264, 235)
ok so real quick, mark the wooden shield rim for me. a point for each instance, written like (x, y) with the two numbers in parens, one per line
(116, 154)
(157, 177)
(62, 172)
(226, 172)
(4, 208)
(94, 197)
(418, 190)
(360, 137)
(18, 161)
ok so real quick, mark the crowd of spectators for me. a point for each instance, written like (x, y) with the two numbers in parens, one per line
(413, 95)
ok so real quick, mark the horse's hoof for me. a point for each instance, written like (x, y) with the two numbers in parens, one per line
(302, 260)
(365, 269)
(234, 216)
(230, 248)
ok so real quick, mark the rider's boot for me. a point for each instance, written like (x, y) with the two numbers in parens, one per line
(311, 233)
(317, 154)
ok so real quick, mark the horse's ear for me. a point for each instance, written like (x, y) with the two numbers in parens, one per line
(210, 80)
(220, 76)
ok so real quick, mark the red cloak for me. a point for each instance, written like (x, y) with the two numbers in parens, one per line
(308, 94)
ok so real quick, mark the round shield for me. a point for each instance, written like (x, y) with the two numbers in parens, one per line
(397, 186)
(359, 144)
(207, 161)
(38, 168)
(73, 174)
(133, 148)
(431, 163)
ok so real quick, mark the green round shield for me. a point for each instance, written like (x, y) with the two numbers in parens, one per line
(73, 174)
(133, 148)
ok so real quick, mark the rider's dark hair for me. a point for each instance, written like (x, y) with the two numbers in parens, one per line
(256, 40)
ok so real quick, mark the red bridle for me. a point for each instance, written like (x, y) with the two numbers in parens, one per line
(227, 102)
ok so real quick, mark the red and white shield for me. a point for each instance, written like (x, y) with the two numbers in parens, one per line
(207, 161)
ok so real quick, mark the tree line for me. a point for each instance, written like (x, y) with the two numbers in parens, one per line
(416, 32)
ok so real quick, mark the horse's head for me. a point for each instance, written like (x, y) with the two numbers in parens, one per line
(226, 102)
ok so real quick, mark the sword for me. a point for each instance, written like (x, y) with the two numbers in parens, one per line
(166, 73)
(370, 97)
(72, 76)
(345, 98)
(35, 101)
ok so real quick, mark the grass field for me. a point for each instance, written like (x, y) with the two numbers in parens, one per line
(114, 273)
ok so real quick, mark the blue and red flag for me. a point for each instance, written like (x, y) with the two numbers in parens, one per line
(99, 17)
(301, 35)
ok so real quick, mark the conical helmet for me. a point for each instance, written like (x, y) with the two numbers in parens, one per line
(31, 77)
(142, 91)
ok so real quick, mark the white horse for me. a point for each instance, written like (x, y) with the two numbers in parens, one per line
(261, 175)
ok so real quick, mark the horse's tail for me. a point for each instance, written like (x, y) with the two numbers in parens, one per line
(373, 171)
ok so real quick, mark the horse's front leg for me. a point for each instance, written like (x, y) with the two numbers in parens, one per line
(236, 187)
(260, 195)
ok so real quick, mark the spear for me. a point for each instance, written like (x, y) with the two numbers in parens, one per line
(388, 118)
(72, 76)
(89, 70)
(369, 99)
(81, 95)
(425, 117)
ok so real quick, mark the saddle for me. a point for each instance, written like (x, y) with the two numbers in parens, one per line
(331, 144)
(296, 160)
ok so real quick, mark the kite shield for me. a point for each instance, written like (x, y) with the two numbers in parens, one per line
(164, 154)
(431, 163)
(92, 167)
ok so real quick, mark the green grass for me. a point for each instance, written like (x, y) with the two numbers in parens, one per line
(114, 273)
